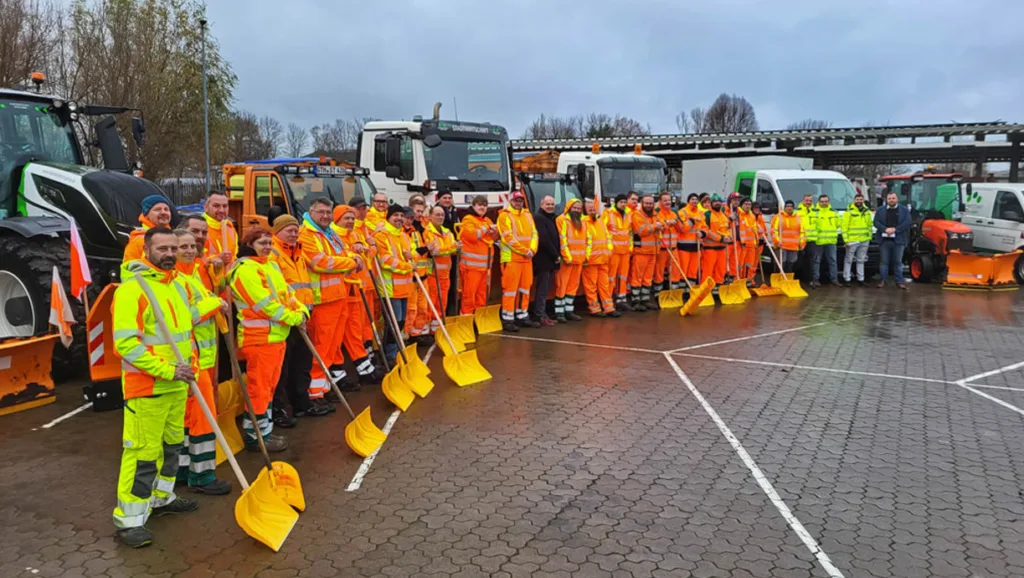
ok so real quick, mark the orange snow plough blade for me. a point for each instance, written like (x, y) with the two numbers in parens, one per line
(968, 272)
(1002, 271)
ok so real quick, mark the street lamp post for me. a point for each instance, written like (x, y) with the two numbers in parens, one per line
(206, 107)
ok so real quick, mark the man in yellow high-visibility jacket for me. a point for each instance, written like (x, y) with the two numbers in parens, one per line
(155, 388)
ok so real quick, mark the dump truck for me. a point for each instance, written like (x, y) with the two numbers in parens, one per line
(602, 176)
(259, 189)
(434, 155)
(45, 179)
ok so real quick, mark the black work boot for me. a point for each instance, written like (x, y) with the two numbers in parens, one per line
(178, 506)
(509, 327)
(214, 488)
(139, 537)
(614, 314)
(573, 317)
(319, 407)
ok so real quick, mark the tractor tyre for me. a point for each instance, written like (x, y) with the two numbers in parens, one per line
(922, 268)
(1018, 269)
(28, 266)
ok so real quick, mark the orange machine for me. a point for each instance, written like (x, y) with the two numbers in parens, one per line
(939, 247)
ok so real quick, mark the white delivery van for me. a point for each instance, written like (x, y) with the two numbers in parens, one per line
(995, 214)
(719, 175)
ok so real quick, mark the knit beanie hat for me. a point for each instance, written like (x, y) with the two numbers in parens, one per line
(153, 200)
(283, 221)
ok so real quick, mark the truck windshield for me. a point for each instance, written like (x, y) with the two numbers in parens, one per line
(930, 194)
(340, 189)
(839, 191)
(616, 180)
(29, 128)
(561, 191)
(480, 165)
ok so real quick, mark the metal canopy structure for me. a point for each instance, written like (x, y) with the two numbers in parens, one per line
(981, 142)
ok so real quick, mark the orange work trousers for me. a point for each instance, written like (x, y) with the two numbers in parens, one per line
(262, 370)
(734, 256)
(618, 274)
(195, 422)
(567, 285)
(713, 263)
(598, 288)
(665, 262)
(474, 289)
(748, 261)
(326, 331)
(643, 270)
(516, 279)
(440, 303)
(353, 338)
(690, 262)
(417, 320)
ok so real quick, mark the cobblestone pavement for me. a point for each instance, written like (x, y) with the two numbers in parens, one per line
(852, 433)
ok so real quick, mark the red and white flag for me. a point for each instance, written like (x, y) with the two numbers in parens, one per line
(61, 316)
(81, 277)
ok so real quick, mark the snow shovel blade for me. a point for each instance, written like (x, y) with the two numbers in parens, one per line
(445, 347)
(670, 299)
(421, 385)
(488, 319)
(1002, 271)
(463, 325)
(262, 514)
(792, 288)
(777, 278)
(465, 369)
(730, 294)
(698, 296)
(287, 485)
(396, 390)
(416, 367)
(766, 291)
(363, 436)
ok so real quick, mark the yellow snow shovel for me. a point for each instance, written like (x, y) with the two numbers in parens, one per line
(488, 317)
(460, 326)
(709, 299)
(789, 287)
(463, 368)
(410, 373)
(260, 512)
(763, 290)
(283, 478)
(673, 298)
(736, 292)
(361, 435)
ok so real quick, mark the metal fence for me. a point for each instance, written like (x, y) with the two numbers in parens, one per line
(183, 191)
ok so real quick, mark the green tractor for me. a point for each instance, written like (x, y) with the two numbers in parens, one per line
(46, 179)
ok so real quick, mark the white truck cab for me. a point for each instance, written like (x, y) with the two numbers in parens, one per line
(602, 176)
(995, 214)
(772, 188)
(433, 155)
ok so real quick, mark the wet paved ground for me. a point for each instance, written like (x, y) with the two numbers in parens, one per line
(848, 449)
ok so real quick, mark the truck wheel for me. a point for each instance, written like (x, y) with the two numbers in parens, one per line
(1018, 270)
(25, 278)
(922, 268)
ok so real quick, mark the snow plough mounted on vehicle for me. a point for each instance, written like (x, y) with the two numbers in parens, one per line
(44, 181)
(941, 249)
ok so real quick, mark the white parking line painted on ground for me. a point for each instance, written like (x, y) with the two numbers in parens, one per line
(993, 372)
(364, 468)
(64, 417)
(1007, 405)
(811, 368)
(779, 332)
(579, 343)
(983, 386)
(759, 477)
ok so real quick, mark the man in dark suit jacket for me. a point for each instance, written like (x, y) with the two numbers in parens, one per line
(545, 261)
(892, 224)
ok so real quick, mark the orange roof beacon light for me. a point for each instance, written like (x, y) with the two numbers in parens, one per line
(595, 148)
(38, 78)
(637, 149)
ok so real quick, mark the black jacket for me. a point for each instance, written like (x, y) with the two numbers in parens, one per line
(546, 258)
(449, 219)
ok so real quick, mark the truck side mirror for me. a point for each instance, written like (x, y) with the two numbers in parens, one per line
(581, 174)
(139, 131)
(392, 156)
(431, 141)
(110, 145)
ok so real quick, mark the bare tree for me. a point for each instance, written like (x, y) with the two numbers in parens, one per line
(730, 113)
(809, 124)
(26, 38)
(296, 140)
(603, 125)
(341, 136)
(555, 127)
(246, 139)
(691, 122)
(272, 134)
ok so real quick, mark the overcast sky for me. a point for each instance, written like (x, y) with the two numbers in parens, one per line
(849, 62)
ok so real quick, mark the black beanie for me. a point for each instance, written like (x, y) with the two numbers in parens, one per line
(620, 197)
(395, 208)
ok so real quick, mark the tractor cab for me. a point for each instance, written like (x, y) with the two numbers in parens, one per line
(929, 195)
(258, 190)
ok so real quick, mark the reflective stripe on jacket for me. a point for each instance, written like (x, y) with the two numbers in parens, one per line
(215, 238)
(445, 242)
(204, 306)
(673, 228)
(572, 242)
(643, 227)
(289, 261)
(326, 261)
(396, 270)
(599, 241)
(518, 234)
(857, 224)
(788, 231)
(690, 220)
(826, 223)
(620, 228)
(267, 308)
(718, 227)
(807, 219)
(476, 242)
(747, 225)
(147, 360)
